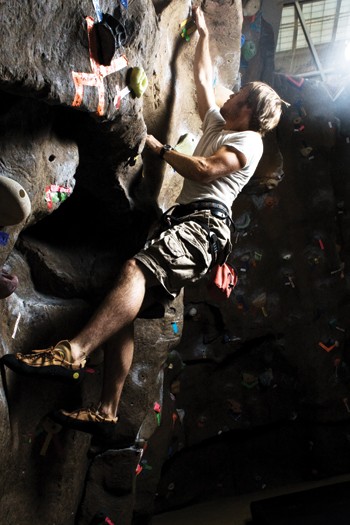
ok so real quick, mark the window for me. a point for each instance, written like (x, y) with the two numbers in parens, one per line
(312, 38)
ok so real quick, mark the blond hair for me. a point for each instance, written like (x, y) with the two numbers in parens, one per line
(266, 105)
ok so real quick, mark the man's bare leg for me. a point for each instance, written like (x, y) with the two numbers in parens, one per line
(118, 310)
(118, 356)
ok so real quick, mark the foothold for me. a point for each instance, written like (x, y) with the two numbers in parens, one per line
(157, 408)
(186, 144)
(260, 300)
(201, 421)
(251, 8)
(248, 50)
(124, 3)
(298, 124)
(15, 205)
(249, 380)
(266, 377)
(290, 281)
(307, 152)
(345, 401)
(145, 465)
(4, 237)
(138, 81)
(8, 284)
(340, 329)
(242, 222)
(56, 194)
(175, 327)
(174, 418)
(242, 305)
(187, 27)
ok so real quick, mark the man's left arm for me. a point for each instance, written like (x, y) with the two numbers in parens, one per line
(223, 162)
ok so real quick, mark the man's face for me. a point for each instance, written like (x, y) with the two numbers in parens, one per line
(233, 106)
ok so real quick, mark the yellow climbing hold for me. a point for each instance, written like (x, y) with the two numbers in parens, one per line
(76, 375)
(138, 81)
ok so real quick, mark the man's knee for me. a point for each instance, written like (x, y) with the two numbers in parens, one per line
(134, 267)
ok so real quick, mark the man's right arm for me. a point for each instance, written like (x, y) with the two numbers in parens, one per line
(203, 71)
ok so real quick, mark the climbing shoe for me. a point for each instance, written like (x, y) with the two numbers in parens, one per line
(88, 420)
(54, 363)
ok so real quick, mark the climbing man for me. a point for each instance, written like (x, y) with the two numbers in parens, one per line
(224, 160)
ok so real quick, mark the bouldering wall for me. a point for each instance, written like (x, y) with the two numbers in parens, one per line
(257, 391)
(72, 138)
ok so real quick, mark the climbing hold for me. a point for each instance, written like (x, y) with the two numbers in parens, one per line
(105, 36)
(8, 284)
(15, 204)
(138, 81)
(187, 27)
(307, 152)
(4, 237)
(156, 407)
(186, 144)
(55, 194)
(242, 222)
(249, 380)
(248, 50)
(251, 8)
(298, 124)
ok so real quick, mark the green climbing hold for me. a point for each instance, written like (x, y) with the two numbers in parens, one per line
(138, 81)
(248, 50)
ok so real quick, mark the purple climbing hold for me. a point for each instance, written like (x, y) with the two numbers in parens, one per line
(8, 284)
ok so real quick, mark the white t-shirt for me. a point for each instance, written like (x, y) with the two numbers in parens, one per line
(224, 189)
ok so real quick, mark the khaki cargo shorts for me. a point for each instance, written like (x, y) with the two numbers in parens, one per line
(181, 254)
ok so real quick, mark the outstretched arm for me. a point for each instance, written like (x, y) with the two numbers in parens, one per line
(203, 71)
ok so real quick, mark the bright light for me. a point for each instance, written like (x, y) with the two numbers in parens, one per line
(347, 51)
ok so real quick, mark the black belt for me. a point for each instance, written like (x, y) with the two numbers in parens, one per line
(217, 209)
